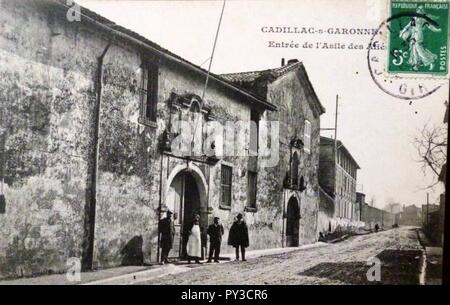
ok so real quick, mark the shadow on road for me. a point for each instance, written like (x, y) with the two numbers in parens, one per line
(398, 267)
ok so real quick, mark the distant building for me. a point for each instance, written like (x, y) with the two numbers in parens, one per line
(410, 216)
(393, 208)
(337, 179)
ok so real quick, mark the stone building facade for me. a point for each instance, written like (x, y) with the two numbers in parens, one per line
(337, 179)
(293, 184)
(92, 117)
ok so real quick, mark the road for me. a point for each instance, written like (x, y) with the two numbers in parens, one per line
(346, 262)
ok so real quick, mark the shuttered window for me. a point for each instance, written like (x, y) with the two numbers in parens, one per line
(252, 189)
(254, 131)
(149, 93)
(226, 182)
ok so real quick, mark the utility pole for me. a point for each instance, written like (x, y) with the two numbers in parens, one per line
(335, 148)
(335, 128)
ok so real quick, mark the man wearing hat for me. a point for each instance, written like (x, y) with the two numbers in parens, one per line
(215, 232)
(167, 234)
(238, 236)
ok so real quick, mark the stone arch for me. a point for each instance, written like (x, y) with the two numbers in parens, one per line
(293, 221)
(198, 176)
(186, 192)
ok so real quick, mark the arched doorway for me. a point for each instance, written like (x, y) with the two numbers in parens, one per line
(186, 197)
(292, 222)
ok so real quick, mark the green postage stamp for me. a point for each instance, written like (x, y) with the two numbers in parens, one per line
(418, 37)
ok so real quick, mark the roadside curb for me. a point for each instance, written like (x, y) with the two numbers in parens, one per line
(141, 276)
(423, 262)
(172, 269)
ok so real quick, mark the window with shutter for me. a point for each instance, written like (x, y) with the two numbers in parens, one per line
(254, 131)
(226, 182)
(252, 189)
(149, 93)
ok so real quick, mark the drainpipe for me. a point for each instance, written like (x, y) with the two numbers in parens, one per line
(91, 200)
(2, 164)
(283, 243)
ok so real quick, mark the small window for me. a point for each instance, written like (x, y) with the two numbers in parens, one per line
(254, 131)
(294, 169)
(2, 203)
(307, 136)
(252, 189)
(149, 93)
(226, 180)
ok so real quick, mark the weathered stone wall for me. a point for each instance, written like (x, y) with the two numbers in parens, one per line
(48, 90)
(48, 71)
(46, 98)
(293, 101)
(325, 222)
(372, 216)
(47, 94)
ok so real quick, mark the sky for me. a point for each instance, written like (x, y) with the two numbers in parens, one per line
(376, 128)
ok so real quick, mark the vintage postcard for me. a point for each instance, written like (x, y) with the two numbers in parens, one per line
(223, 143)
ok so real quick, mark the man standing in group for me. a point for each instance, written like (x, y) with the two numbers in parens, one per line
(215, 232)
(238, 236)
(167, 234)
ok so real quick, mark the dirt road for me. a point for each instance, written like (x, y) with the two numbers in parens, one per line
(345, 262)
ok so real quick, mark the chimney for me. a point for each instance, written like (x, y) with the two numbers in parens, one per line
(282, 62)
(292, 61)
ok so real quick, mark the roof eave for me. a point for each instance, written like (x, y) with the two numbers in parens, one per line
(168, 55)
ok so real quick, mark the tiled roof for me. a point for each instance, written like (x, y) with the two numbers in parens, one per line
(247, 78)
(250, 76)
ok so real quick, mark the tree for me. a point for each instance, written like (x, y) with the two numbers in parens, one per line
(431, 146)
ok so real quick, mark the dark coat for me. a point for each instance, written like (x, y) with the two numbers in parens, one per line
(215, 233)
(238, 235)
(167, 231)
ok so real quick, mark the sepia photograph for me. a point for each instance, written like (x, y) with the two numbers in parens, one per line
(212, 144)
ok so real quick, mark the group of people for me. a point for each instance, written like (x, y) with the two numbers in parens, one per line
(237, 238)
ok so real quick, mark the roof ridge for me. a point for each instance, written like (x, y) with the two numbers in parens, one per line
(285, 67)
(130, 34)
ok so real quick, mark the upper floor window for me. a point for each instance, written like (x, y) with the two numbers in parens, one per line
(149, 92)
(254, 130)
(226, 180)
(252, 189)
(294, 168)
(307, 136)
